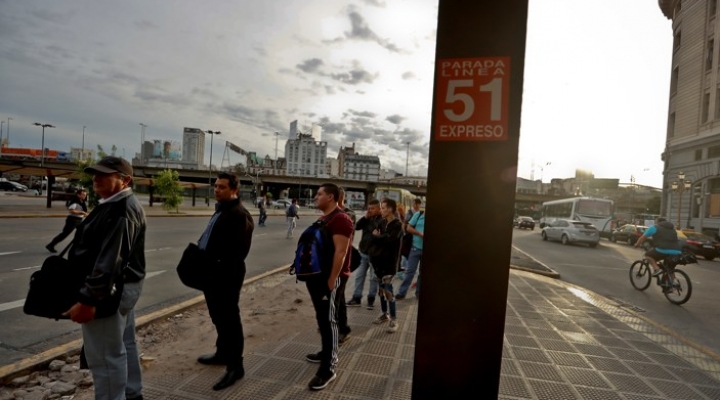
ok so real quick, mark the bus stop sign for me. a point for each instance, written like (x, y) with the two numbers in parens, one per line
(472, 96)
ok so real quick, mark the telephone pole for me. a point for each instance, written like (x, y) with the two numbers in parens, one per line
(276, 144)
(407, 158)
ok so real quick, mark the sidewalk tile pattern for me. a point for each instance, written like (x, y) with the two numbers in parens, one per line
(560, 343)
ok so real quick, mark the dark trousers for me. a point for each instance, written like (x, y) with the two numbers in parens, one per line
(324, 303)
(262, 218)
(223, 300)
(341, 308)
(70, 224)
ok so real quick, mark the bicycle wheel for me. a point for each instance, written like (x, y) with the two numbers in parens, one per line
(640, 275)
(681, 289)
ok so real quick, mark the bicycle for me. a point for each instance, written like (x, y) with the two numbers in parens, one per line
(675, 283)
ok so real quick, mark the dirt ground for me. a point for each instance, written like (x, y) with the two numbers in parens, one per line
(271, 309)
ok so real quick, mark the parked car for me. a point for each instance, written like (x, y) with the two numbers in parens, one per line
(524, 222)
(10, 186)
(570, 231)
(628, 233)
(701, 245)
(282, 203)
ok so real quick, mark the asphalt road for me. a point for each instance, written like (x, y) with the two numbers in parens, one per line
(22, 252)
(604, 270)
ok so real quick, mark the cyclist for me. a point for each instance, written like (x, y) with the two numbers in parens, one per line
(665, 243)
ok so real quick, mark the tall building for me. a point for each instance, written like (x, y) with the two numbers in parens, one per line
(691, 183)
(193, 147)
(305, 156)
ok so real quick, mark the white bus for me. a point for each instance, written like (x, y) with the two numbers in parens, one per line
(599, 212)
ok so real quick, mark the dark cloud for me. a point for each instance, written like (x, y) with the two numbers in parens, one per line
(408, 75)
(395, 119)
(354, 77)
(49, 16)
(376, 3)
(145, 24)
(310, 66)
(359, 30)
(366, 114)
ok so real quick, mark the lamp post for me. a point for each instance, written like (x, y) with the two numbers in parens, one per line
(212, 134)
(679, 187)
(1, 134)
(7, 136)
(42, 146)
(542, 170)
(82, 154)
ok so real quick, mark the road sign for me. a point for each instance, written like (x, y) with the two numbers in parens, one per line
(472, 99)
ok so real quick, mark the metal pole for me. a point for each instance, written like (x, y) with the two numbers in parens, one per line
(1, 134)
(679, 205)
(8, 133)
(212, 134)
(82, 154)
(42, 149)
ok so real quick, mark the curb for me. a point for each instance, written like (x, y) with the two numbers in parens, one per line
(550, 272)
(41, 360)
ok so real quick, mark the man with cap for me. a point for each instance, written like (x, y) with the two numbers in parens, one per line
(109, 247)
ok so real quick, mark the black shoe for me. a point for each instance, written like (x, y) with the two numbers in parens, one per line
(313, 358)
(320, 383)
(371, 304)
(354, 302)
(51, 248)
(399, 296)
(211, 359)
(230, 377)
(342, 338)
(134, 398)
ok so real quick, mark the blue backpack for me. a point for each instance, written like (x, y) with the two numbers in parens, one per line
(315, 250)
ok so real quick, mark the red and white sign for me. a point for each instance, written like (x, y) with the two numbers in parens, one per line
(472, 99)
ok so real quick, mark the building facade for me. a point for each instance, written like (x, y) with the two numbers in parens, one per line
(691, 182)
(193, 147)
(361, 167)
(305, 156)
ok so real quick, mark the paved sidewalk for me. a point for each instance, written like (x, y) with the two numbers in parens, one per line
(561, 342)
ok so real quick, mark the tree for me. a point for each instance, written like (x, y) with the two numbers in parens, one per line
(167, 185)
(239, 170)
(653, 205)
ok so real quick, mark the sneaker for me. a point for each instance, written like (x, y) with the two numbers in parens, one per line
(320, 383)
(313, 358)
(51, 248)
(371, 304)
(353, 302)
(393, 327)
(342, 338)
(399, 296)
(657, 272)
(383, 318)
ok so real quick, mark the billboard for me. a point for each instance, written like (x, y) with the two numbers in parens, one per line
(167, 149)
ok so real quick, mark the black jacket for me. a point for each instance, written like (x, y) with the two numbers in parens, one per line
(385, 248)
(110, 246)
(367, 225)
(229, 241)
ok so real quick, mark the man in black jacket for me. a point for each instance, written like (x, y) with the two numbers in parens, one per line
(384, 255)
(367, 224)
(109, 247)
(226, 243)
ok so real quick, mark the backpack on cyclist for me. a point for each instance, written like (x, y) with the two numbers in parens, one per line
(315, 250)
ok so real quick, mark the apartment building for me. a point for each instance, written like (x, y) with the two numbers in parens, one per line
(691, 183)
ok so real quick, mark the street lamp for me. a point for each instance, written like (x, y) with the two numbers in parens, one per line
(212, 134)
(42, 146)
(1, 134)
(679, 187)
(82, 155)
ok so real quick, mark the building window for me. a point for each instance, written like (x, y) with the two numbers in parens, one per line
(671, 126)
(677, 40)
(705, 107)
(712, 8)
(709, 55)
(698, 154)
(713, 152)
(674, 81)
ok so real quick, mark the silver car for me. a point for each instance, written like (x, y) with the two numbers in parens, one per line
(569, 231)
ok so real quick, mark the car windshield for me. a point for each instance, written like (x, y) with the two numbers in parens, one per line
(526, 218)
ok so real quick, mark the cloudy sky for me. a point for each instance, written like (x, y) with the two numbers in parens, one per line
(596, 78)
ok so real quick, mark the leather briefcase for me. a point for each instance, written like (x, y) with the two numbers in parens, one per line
(190, 268)
(53, 289)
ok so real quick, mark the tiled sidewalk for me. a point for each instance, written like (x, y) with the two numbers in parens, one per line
(560, 343)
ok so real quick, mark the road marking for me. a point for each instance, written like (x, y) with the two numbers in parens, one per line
(158, 249)
(24, 268)
(19, 303)
(9, 252)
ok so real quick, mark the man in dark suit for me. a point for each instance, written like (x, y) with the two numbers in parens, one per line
(226, 243)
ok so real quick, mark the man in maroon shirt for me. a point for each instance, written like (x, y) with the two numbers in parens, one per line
(323, 288)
